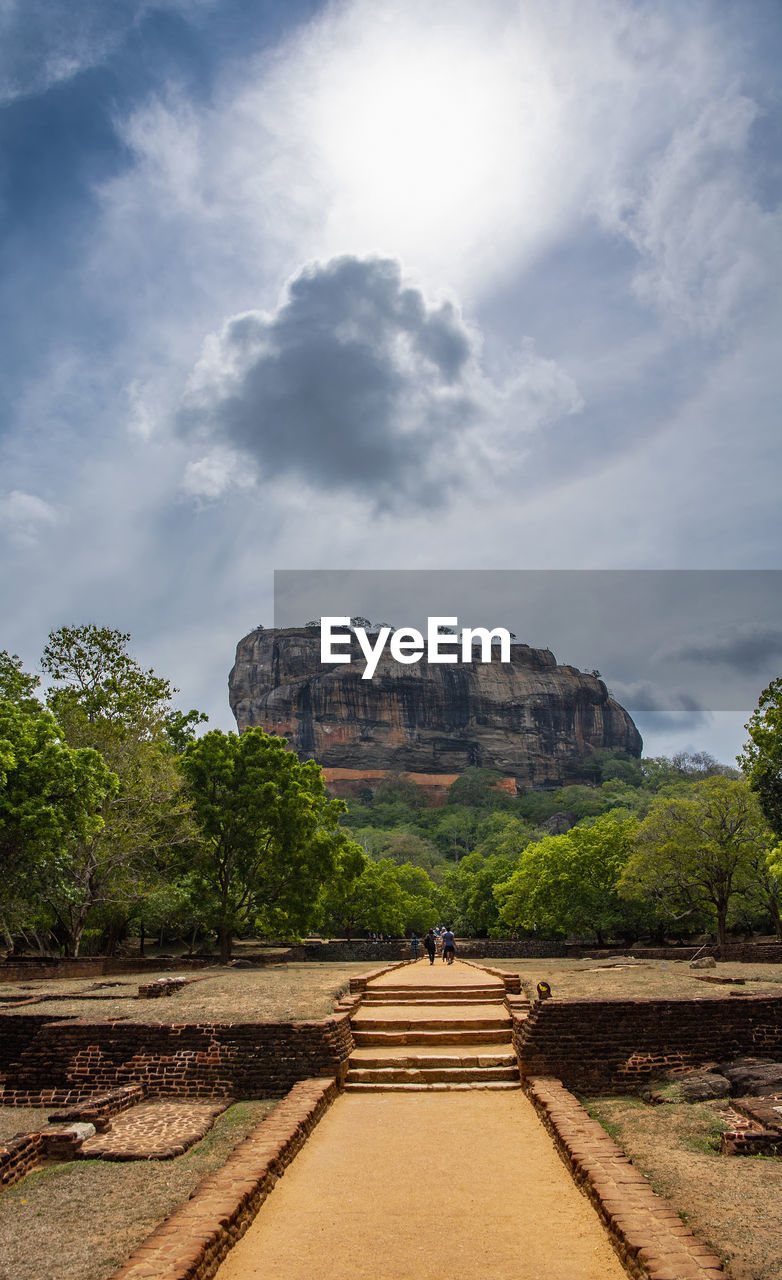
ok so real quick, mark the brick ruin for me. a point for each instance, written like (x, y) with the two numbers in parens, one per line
(95, 1070)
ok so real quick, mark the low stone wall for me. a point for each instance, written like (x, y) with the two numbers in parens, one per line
(193, 1241)
(99, 1108)
(362, 949)
(65, 1060)
(37, 967)
(597, 1046)
(18, 1157)
(647, 1233)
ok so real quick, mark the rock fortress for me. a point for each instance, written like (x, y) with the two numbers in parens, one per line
(532, 720)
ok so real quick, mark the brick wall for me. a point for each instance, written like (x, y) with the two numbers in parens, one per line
(18, 1156)
(596, 1045)
(66, 1059)
(16, 1033)
(93, 966)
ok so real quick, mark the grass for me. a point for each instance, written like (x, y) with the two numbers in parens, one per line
(641, 979)
(290, 992)
(15, 1120)
(731, 1202)
(80, 1221)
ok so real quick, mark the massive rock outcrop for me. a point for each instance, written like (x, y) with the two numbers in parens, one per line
(534, 721)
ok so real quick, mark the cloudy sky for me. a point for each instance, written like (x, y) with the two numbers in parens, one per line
(299, 285)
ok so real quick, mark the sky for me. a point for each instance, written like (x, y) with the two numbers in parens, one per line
(363, 285)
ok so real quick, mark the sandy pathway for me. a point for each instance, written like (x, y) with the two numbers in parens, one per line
(393, 1188)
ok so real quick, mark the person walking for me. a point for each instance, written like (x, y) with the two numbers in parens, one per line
(414, 945)
(430, 946)
(449, 947)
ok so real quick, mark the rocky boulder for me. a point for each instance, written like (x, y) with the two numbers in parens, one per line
(532, 720)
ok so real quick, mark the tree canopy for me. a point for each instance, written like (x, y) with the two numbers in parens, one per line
(761, 759)
(268, 833)
(696, 850)
(568, 883)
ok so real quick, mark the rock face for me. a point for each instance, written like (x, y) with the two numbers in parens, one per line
(531, 719)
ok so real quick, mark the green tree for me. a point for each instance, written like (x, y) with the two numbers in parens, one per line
(470, 886)
(269, 835)
(106, 701)
(568, 884)
(477, 789)
(16, 684)
(697, 850)
(52, 798)
(761, 759)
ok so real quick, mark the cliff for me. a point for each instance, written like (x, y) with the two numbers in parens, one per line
(531, 719)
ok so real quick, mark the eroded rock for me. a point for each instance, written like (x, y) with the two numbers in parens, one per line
(531, 719)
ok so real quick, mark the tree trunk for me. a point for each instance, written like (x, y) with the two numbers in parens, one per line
(142, 937)
(225, 934)
(722, 926)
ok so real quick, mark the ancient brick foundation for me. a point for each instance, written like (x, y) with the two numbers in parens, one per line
(646, 1232)
(62, 1061)
(19, 1156)
(597, 1046)
(192, 1242)
(32, 968)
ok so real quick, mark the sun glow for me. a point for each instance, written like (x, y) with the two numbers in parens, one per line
(432, 143)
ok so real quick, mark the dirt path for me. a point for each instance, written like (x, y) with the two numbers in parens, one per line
(395, 1187)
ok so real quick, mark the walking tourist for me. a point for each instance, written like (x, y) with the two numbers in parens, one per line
(429, 944)
(414, 945)
(449, 946)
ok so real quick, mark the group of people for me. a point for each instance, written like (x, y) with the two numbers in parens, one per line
(438, 941)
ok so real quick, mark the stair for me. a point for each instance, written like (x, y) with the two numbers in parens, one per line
(433, 1035)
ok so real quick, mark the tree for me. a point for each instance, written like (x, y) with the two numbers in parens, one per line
(269, 835)
(568, 883)
(761, 759)
(477, 789)
(106, 701)
(374, 900)
(52, 798)
(16, 684)
(470, 886)
(695, 850)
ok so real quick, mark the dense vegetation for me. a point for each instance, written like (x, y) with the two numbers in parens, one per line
(117, 820)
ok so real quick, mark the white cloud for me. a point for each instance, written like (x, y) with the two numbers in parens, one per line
(25, 517)
(215, 474)
(705, 243)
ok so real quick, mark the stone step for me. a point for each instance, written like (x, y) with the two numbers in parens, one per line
(440, 1087)
(379, 1038)
(363, 1061)
(443, 1001)
(435, 1075)
(422, 1023)
(430, 988)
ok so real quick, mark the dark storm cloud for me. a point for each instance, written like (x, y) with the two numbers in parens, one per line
(745, 649)
(353, 382)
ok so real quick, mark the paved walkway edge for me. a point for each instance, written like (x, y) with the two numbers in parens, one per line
(195, 1238)
(647, 1234)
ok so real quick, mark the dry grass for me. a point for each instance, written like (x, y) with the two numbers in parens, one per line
(15, 1120)
(641, 979)
(734, 1203)
(80, 1221)
(275, 994)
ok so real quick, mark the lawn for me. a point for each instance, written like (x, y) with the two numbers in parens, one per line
(79, 1221)
(616, 979)
(734, 1203)
(290, 992)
